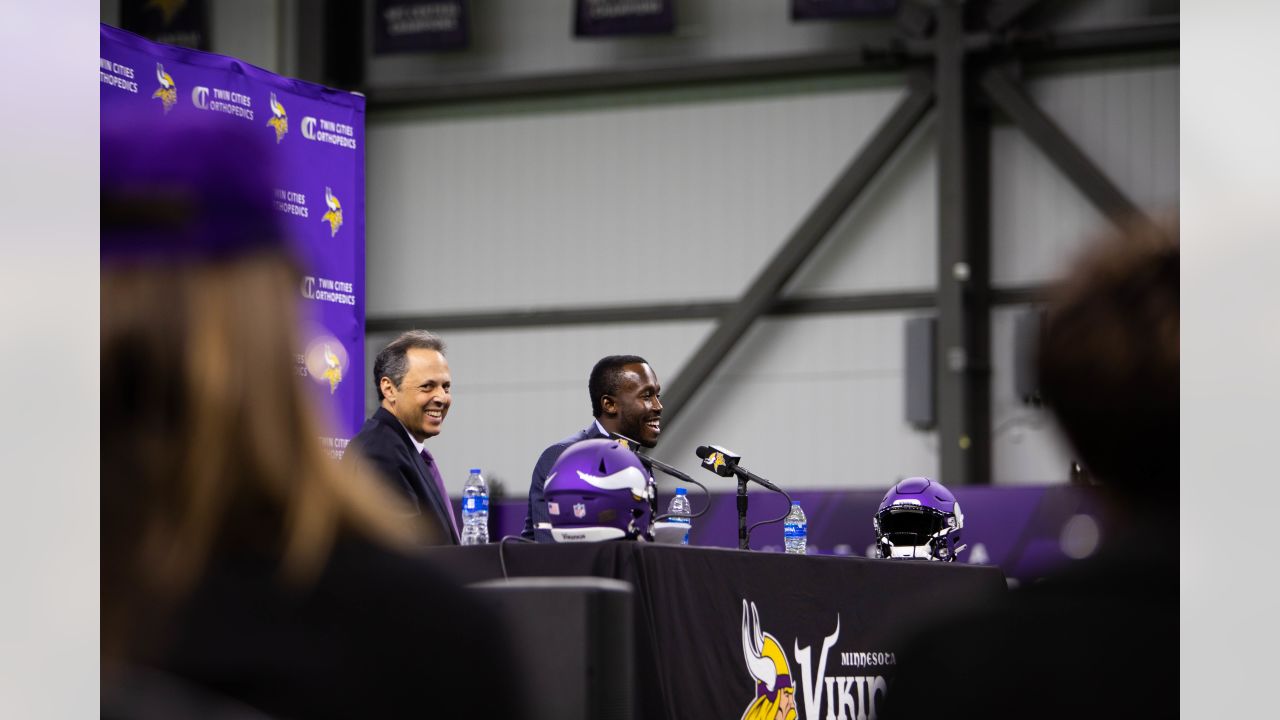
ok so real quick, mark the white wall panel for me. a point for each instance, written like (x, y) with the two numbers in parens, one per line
(814, 402)
(888, 239)
(636, 203)
(1126, 121)
(1027, 447)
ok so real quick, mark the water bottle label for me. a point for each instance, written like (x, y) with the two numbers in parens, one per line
(477, 503)
(795, 530)
(681, 520)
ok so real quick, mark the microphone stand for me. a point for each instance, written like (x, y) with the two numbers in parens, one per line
(744, 476)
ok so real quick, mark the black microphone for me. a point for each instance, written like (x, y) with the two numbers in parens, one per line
(724, 463)
(718, 460)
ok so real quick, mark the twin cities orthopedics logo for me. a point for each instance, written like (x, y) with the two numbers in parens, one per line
(168, 91)
(846, 697)
(116, 75)
(323, 289)
(279, 120)
(223, 101)
(330, 132)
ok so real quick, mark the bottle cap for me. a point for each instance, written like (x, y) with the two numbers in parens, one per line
(474, 471)
(682, 491)
(795, 503)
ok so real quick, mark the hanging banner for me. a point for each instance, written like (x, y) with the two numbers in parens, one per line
(596, 18)
(176, 22)
(835, 9)
(405, 26)
(319, 135)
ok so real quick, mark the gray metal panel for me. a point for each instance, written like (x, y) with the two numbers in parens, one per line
(1027, 448)
(918, 381)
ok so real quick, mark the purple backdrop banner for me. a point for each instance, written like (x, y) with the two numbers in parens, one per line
(319, 134)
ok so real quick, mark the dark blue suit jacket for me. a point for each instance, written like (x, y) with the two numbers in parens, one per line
(385, 443)
(537, 502)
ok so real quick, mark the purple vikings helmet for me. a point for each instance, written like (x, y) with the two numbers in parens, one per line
(919, 518)
(599, 490)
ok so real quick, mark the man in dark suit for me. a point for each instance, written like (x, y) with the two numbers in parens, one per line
(412, 377)
(624, 399)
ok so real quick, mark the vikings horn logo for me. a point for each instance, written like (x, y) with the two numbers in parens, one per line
(767, 663)
(279, 121)
(334, 216)
(167, 92)
(332, 369)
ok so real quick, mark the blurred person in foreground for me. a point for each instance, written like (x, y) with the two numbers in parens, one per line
(242, 572)
(1100, 638)
(415, 394)
(626, 399)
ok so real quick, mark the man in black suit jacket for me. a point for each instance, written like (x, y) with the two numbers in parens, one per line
(625, 398)
(412, 377)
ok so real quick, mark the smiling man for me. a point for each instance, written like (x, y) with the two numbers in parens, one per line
(413, 381)
(624, 399)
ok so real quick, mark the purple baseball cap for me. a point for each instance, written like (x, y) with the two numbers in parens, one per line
(185, 188)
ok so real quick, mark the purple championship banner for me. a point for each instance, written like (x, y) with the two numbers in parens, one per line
(319, 136)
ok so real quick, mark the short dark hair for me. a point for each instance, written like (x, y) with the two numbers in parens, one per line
(606, 376)
(1108, 362)
(391, 362)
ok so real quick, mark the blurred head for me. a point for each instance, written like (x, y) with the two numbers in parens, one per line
(413, 381)
(208, 438)
(1108, 363)
(625, 398)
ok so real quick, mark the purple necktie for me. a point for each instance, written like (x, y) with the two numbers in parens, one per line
(444, 495)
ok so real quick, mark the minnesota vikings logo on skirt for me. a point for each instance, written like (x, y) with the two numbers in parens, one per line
(326, 361)
(168, 91)
(767, 663)
(279, 120)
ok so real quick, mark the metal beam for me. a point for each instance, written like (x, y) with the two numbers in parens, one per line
(919, 299)
(651, 75)
(1134, 36)
(1053, 142)
(763, 292)
(962, 365)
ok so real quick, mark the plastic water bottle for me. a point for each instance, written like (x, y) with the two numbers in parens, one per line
(796, 530)
(680, 504)
(475, 510)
